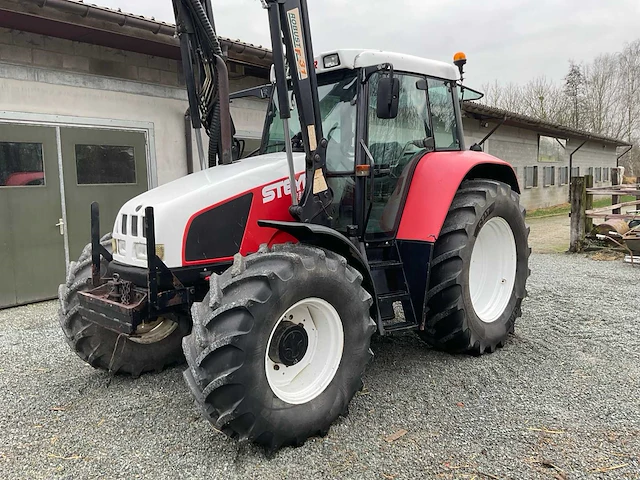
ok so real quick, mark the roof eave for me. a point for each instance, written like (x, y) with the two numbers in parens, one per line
(483, 112)
(114, 22)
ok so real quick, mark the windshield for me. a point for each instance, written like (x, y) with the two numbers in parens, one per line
(337, 94)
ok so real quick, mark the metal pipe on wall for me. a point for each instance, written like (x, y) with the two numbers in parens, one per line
(571, 164)
(188, 136)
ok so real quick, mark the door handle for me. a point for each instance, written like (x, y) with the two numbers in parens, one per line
(60, 224)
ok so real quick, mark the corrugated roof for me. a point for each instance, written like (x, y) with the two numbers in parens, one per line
(481, 111)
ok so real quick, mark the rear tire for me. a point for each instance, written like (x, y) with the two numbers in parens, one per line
(105, 349)
(476, 287)
(231, 368)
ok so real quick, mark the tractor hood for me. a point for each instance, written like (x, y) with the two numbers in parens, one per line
(177, 203)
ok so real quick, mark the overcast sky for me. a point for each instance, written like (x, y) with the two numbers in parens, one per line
(508, 40)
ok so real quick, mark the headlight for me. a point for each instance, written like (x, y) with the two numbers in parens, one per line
(331, 61)
(114, 245)
(122, 247)
(140, 251)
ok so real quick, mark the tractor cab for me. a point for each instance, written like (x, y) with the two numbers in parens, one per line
(380, 147)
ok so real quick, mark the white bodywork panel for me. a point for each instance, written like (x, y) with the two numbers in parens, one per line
(358, 58)
(176, 202)
(355, 58)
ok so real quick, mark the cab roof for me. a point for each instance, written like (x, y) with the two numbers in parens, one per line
(358, 58)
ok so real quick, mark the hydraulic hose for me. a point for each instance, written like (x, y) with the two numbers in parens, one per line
(203, 20)
(214, 44)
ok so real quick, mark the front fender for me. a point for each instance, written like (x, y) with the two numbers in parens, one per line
(330, 239)
(434, 183)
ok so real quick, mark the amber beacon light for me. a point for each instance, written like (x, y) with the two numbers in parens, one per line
(459, 60)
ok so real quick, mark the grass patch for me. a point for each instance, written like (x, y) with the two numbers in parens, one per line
(565, 208)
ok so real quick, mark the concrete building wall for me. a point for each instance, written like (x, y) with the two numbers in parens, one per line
(519, 147)
(27, 48)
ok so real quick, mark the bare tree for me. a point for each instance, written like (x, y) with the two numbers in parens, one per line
(604, 112)
(574, 91)
(629, 94)
(544, 99)
(602, 96)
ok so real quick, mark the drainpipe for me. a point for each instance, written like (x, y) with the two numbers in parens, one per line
(189, 141)
(622, 155)
(571, 163)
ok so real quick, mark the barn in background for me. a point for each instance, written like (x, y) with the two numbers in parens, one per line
(545, 155)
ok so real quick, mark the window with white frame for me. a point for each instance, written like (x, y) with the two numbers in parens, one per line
(590, 171)
(598, 175)
(530, 177)
(549, 176)
(564, 175)
(575, 171)
(606, 174)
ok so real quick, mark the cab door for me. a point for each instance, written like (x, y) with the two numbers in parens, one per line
(395, 144)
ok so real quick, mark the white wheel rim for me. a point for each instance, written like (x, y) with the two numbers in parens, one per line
(304, 381)
(492, 273)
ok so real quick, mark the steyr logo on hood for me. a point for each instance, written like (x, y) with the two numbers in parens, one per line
(281, 188)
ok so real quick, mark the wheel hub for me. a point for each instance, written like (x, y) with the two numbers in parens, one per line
(289, 344)
(153, 332)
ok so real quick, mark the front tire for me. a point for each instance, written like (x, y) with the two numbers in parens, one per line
(479, 270)
(155, 349)
(256, 368)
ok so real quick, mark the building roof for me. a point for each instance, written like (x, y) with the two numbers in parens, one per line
(485, 112)
(84, 22)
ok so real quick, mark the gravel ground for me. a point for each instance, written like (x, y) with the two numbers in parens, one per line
(559, 401)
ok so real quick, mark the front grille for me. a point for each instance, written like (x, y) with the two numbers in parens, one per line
(124, 225)
(134, 225)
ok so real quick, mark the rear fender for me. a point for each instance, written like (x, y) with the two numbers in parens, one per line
(330, 239)
(435, 181)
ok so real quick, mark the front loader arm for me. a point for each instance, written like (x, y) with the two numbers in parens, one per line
(291, 41)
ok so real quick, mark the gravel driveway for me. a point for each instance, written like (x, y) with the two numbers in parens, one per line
(562, 400)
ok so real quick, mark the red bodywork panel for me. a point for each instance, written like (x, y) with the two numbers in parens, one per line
(434, 184)
(254, 235)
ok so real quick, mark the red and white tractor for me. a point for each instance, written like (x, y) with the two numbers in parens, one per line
(363, 212)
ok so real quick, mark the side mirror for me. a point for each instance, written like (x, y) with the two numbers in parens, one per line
(388, 97)
(430, 144)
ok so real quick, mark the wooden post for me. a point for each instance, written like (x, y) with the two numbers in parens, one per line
(588, 222)
(578, 192)
(615, 180)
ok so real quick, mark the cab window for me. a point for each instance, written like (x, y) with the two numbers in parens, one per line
(443, 114)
